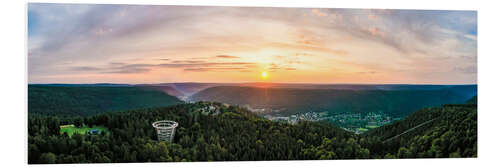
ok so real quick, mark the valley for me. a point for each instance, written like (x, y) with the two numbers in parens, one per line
(355, 108)
(356, 123)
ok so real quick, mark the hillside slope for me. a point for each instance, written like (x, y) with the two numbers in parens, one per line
(91, 100)
(395, 102)
(472, 100)
(166, 89)
(447, 131)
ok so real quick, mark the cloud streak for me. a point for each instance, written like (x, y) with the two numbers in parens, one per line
(191, 66)
(227, 56)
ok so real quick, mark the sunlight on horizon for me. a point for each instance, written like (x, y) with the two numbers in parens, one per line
(264, 75)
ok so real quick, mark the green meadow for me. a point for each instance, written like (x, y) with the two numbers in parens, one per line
(371, 126)
(72, 129)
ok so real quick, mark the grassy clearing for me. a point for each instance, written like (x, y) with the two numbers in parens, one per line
(72, 129)
(362, 130)
(371, 126)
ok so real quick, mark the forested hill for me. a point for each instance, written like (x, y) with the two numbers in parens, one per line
(398, 103)
(472, 100)
(85, 100)
(447, 131)
(214, 132)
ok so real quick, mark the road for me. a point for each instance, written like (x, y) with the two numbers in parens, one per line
(409, 130)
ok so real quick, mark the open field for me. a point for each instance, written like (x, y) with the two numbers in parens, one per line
(72, 129)
(371, 126)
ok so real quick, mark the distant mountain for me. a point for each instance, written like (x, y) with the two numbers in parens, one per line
(186, 89)
(472, 100)
(467, 91)
(354, 86)
(166, 89)
(84, 100)
(189, 88)
(399, 102)
(85, 85)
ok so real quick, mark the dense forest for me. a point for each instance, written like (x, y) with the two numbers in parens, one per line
(232, 133)
(86, 100)
(447, 131)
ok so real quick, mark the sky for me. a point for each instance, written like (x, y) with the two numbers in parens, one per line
(88, 43)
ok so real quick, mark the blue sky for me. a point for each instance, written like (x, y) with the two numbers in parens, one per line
(70, 43)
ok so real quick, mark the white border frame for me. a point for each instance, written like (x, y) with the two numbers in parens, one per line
(14, 72)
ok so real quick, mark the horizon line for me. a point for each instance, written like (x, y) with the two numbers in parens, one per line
(96, 83)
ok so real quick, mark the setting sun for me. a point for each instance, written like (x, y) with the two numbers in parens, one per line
(263, 75)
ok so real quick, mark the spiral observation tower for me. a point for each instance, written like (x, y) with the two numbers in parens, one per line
(165, 130)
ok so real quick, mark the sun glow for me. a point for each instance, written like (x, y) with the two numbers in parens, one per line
(263, 75)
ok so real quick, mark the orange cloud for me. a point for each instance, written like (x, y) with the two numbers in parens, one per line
(376, 32)
(318, 12)
(227, 56)
(336, 17)
(373, 31)
(371, 16)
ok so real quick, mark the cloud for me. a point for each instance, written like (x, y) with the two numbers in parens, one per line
(299, 47)
(220, 69)
(115, 68)
(116, 63)
(205, 64)
(368, 72)
(317, 12)
(85, 68)
(227, 56)
(188, 61)
(273, 67)
(129, 71)
(373, 31)
(195, 66)
(467, 70)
